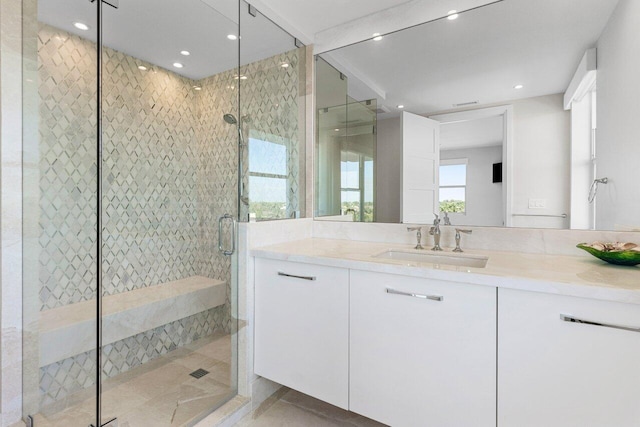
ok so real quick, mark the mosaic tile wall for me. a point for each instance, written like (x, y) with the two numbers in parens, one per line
(63, 378)
(169, 172)
(272, 111)
(67, 87)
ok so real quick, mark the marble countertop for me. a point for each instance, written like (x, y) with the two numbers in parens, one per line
(557, 274)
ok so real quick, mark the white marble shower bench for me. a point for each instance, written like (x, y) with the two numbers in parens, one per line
(71, 330)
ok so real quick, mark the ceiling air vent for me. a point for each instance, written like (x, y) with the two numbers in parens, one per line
(466, 104)
(382, 109)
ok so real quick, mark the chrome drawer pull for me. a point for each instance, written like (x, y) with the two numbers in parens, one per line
(567, 318)
(280, 273)
(409, 294)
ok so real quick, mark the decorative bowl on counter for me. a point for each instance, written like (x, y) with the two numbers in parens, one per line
(614, 253)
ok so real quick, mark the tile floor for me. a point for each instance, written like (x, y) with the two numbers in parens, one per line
(289, 408)
(162, 393)
(159, 393)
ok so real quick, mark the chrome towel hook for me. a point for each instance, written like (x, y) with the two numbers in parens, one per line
(594, 187)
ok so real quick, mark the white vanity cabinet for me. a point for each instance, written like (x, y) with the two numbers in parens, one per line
(554, 372)
(302, 328)
(423, 352)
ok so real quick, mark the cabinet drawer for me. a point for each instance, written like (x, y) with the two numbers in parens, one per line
(302, 328)
(554, 370)
(423, 352)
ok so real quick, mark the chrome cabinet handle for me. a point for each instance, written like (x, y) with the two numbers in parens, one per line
(234, 229)
(409, 294)
(572, 319)
(311, 278)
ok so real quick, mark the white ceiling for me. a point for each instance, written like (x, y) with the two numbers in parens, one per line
(313, 16)
(480, 56)
(486, 132)
(156, 31)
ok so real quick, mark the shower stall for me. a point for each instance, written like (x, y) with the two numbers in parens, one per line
(150, 128)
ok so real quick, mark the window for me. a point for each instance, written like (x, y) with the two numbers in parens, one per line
(453, 185)
(356, 186)
(268, 178)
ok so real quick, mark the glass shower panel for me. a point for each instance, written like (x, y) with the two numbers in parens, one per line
(359, 160)
(60, 219)
(273, 94)
(346, 160)
(169, 173)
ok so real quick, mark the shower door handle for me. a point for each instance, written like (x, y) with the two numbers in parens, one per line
(234, 229)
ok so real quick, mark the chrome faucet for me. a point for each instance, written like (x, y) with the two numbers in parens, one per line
(435, 232)
(458, 231)
(446, 219)
(418, 236)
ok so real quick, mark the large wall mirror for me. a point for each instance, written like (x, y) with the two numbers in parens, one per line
(517, 114)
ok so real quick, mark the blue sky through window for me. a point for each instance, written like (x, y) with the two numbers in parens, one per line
(453, 175)
(267, 157)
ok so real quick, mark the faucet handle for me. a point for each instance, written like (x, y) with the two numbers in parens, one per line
(458, 231)
(418, 236)
(447, 221)
(436, 221)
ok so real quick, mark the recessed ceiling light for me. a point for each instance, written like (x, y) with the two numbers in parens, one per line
(401, 106)
(285, 65)
(377, 37)
(185, 52)
(452, 14)
(142, 67)
(518, 86)
(178, 65)
(232, 37)
(81, 26)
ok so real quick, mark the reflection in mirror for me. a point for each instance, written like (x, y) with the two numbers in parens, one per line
(513, 90)
(346, 152)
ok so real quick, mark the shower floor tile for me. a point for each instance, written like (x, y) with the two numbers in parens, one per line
(160, 392)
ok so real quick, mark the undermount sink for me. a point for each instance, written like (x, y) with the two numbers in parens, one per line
(474, 261)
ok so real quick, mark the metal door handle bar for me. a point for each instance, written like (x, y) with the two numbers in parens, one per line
(311, 278)
(409, 294)
(572, 319)
(234, 231)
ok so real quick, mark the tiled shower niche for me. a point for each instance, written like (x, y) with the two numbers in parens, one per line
(169, 171)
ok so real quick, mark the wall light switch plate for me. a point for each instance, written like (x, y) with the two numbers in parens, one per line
(537, 203)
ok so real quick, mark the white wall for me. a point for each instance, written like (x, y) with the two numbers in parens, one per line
(388, 170)
(582, 214)
(618, 111)
(11, 173)
(541, 160)
(483, 197)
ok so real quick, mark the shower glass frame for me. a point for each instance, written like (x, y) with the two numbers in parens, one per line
(40, 162)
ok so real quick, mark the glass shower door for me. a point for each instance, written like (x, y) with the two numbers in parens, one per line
(60, 217)
(169, 205)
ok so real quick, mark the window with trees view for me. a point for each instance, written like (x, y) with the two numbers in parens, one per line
(453, 185)
(356, 186)
(268, 178)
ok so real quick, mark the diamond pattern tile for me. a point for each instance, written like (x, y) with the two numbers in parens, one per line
(169, 171)
(269, 98)
(68, 376)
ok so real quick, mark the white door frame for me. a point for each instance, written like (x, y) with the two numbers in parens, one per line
(506, 112)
